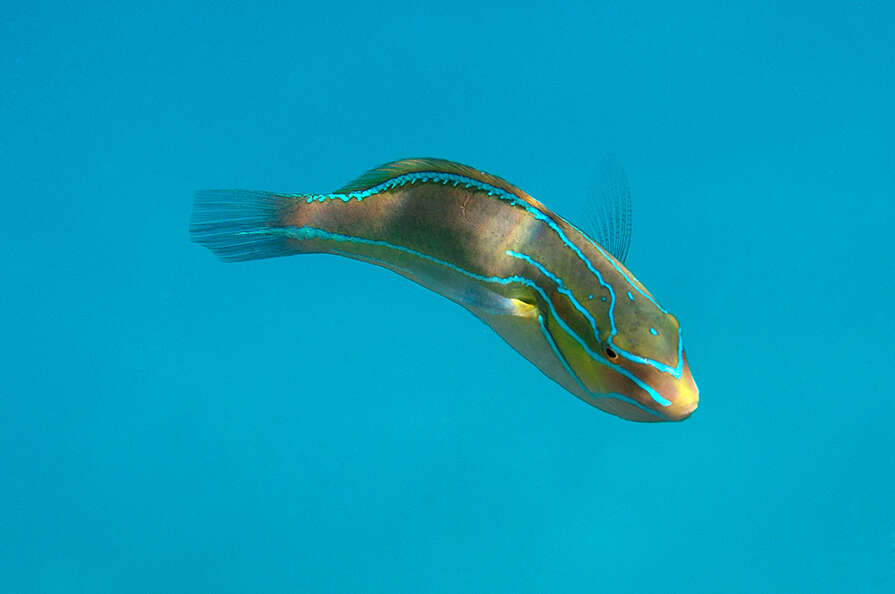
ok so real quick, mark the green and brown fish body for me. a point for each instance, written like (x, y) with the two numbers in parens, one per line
(554, 294)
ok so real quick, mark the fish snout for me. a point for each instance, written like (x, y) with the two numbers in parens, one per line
(681, 410)
(684, 402)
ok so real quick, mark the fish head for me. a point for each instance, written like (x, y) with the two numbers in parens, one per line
(639, 369)
(647, 362)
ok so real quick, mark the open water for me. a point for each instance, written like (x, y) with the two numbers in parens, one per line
(169, 423)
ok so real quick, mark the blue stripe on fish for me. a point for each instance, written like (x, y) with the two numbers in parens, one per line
(561, 287)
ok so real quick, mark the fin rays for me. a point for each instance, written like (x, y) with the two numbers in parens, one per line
(608, 219)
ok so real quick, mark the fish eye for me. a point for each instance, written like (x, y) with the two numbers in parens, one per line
(611, 353)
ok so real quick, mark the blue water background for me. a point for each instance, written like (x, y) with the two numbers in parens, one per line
(169, 423)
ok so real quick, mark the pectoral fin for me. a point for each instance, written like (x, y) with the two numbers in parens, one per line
(478, 297)
(480, 300)
(608, 216)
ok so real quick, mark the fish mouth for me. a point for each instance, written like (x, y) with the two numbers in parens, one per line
(682, 407)
(685, 413)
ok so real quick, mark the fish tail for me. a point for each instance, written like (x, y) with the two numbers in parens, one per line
(239, 225)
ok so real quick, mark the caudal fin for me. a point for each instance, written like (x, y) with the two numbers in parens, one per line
(240, 225)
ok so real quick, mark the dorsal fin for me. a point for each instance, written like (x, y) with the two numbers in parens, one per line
(394, 169)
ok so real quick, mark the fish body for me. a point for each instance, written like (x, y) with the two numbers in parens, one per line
(554, 294)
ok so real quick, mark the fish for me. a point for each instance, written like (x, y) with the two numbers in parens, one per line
(562, 299)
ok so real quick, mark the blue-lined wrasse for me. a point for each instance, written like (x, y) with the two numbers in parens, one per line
(562, 299)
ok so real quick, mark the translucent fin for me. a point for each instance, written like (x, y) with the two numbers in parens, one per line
(472, 294)
(495, 304)
(608, 218)
(240, 225)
